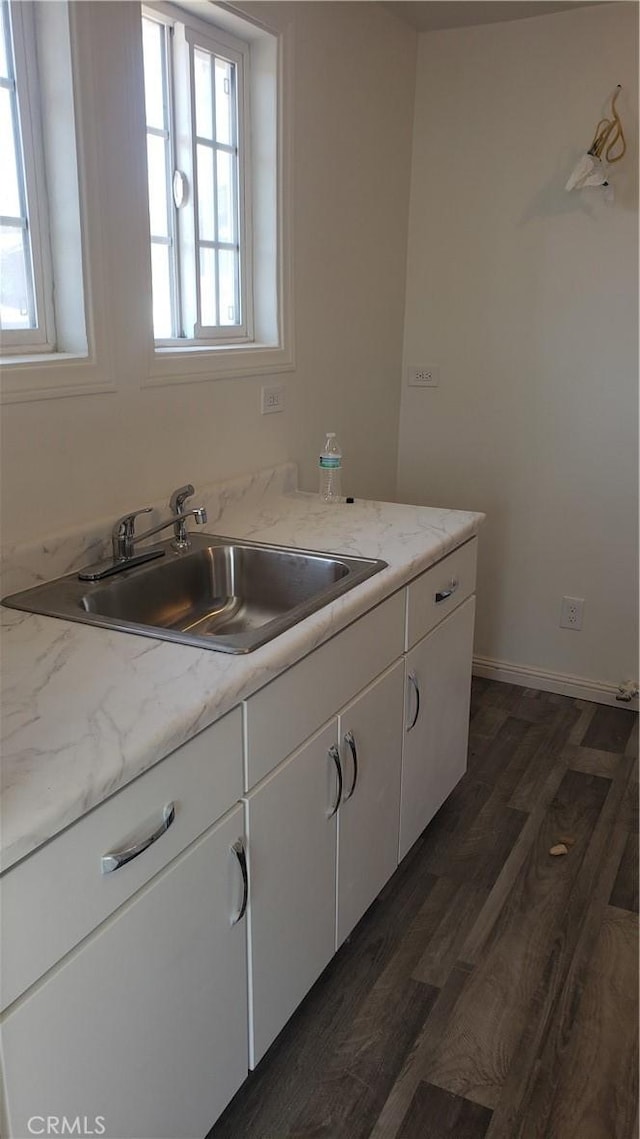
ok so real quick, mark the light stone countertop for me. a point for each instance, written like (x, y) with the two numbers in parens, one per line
(85, 710)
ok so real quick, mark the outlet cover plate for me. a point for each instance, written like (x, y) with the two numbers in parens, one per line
(571, 613)
(272, 399)
(423, 376)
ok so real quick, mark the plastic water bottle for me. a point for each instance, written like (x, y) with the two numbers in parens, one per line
(331, 470)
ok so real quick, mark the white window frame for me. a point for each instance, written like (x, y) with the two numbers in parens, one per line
(268, 347)
(84, 361)
(30, 155)
(186, 34)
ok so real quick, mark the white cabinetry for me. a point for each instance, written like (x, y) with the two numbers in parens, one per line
(125, 993)
(287, 711)
(291, 833)
(438, 692)
(325, 820)
(56, 897)
(145, 1025)
(370, 734)
(439, 590)
(300, 787)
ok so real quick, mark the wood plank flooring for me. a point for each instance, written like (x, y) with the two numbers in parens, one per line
(491, 991)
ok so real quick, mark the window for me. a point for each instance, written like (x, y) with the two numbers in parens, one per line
(26, 307)
(196, 79)
(45, 348)
(219, 140)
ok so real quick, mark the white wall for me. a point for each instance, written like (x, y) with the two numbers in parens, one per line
(526, 296)
(68, 460)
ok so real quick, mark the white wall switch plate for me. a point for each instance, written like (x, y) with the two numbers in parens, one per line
(272, 399)
(423, 376)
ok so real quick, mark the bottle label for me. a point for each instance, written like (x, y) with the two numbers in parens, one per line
(330, 462)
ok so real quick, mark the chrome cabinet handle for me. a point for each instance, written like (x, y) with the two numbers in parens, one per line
(117, 858)
(335, 756)
(351, 743)
(416, 687)
(237, 848)
(443, 594)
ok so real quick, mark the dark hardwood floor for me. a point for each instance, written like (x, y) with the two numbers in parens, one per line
(491, 991)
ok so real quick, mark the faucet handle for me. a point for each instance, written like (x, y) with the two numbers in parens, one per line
(124, 526)
(179, 497)
(123, 531)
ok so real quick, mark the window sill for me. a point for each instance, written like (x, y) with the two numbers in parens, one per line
(207, 363)
(25, 378)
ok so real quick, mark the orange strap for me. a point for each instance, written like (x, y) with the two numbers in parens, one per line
(609, 134)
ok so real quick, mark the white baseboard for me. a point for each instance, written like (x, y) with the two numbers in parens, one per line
(577, 686)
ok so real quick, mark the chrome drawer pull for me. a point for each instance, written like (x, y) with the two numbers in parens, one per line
(351, 743)
(416, 687)
(443, 594)
(117, 858)
(238, 849)
(335, 756)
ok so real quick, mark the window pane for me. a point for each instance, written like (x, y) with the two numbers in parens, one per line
(208, 287)
(153, 48)
(156, 160)
(226, 196)
(9, 190)
(228, 268)
(206, 200)
(225, 98)
(14, 280)
(161, 283)
(202, 82)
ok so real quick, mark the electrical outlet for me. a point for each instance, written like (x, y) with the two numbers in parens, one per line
(423, 376)
(272, 399)
(571, 613)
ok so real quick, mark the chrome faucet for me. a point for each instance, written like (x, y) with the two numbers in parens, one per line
(176, 506)
(124, 538)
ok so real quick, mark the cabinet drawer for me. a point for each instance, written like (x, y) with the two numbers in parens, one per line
(285, 713)
(58, 895)
(440, 590)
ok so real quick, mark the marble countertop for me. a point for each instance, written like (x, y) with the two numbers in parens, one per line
(85, 710)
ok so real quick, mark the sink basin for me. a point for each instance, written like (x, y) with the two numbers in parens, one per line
(221, 594)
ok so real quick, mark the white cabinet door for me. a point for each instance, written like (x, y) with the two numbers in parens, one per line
(291, 833)
(438, 691)
(369, 817)
(145, 1025)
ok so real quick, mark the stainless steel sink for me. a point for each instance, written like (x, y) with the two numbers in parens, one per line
(220, 594)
